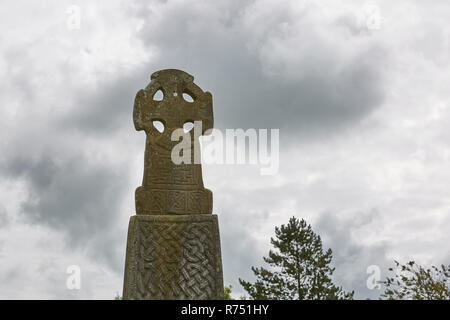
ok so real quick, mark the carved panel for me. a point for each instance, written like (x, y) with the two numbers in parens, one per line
(151, 201)
(176, 258)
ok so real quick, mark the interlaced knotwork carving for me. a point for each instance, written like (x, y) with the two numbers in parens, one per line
(176, 259)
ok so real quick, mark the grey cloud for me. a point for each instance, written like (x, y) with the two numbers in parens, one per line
(67, 191)
(11, 274)
(240, 250)
(319, 94)
(39, 172)
(351, 258)
(75, 196)
(98, 112)
(239, 253)
(4, 219)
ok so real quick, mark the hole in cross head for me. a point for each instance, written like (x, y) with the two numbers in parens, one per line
(158, 96)
(187, 126)
(158, 125)
(187, 97)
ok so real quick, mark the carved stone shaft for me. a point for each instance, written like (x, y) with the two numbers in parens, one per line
(173, 257)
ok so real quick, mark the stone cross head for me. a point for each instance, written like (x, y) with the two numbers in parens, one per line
(170, 188)
(173, 110)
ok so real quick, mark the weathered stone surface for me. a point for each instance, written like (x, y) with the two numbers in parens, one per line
(173, 248)
(168, 188)
(173, 257)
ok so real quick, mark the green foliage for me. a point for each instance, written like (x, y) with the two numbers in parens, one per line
(413, 282)
(227, 293)
(300, 267)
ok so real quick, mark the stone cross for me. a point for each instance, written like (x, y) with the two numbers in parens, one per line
(173, 245)
(169, 188)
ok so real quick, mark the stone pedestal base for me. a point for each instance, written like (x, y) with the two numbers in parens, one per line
(173, 257)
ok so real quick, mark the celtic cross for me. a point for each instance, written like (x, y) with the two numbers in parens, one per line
(170, 188)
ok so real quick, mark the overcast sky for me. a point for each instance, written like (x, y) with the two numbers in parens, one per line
(358, 90)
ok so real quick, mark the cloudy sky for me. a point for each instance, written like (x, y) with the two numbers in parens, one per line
(359, 91)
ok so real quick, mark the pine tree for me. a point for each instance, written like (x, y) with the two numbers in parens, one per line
(300, 267)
